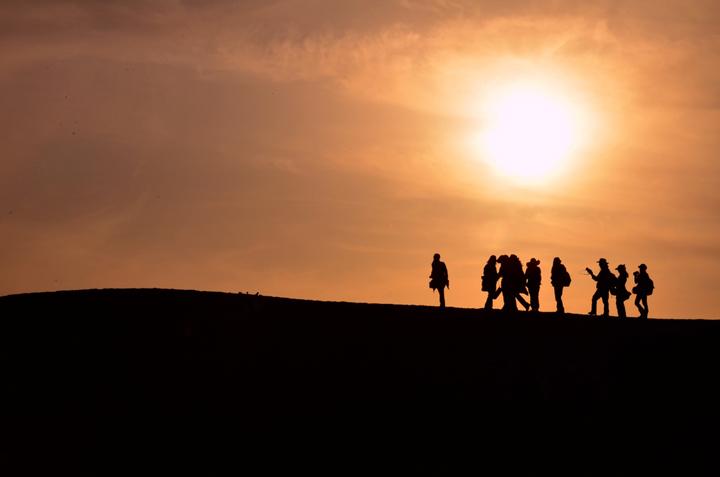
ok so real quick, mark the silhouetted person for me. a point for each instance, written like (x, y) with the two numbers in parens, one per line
(518, 280)
(439, 278)
(605, 280)
(506, 286)
(513, 283)
(559, 279)
(489, 281)
(533, 277)
(620, 291)
(644, 286)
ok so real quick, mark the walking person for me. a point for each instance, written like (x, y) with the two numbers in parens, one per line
(533, 277)
(559, 279)
(644, 286)
(517, 281)
(604, 279)
(507, 287)
(439, 278)
(489, 281)
(620, 291)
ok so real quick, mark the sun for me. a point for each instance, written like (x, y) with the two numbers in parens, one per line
(529, 133)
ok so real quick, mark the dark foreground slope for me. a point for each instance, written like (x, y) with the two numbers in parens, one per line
(343, 386)
(119, 351)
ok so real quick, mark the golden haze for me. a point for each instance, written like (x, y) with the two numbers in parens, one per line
(326, 149)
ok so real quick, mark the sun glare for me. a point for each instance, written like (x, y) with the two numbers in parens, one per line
(529, 134)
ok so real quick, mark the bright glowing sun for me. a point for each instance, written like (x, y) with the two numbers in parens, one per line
(529, 133)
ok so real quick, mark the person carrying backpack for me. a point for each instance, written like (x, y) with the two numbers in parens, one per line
(439, 278)
(620, 291)
(559, 279)
(644, 286)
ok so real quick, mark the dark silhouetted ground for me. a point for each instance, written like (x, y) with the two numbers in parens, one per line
(276, 363)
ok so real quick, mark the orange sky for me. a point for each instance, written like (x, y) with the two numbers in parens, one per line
(322, 149)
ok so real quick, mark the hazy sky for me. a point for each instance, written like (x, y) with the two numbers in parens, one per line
(324, 149)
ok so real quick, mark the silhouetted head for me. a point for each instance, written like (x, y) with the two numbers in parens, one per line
(556, 261)
(492, 259)
(621, 268)
(436, 257)
(533, 262)
(642, 267)
(502, 259)
(603, 263)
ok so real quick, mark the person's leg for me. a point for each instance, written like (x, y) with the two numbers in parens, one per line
(593, 307)
(645, 306)
(535, 299)
(489, 301)
(620, 303)
(497, 294)
(522, 301)
(558, 299)
(606, 304)
(637, 304)
(441, 292)
(509, 301)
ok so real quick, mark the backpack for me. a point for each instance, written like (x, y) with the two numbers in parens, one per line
(650, 286)
(566, 280)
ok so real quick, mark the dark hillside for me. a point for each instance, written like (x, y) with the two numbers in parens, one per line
(281, 384)
(120, 351)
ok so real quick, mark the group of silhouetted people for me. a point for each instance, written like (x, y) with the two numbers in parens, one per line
(609, 284)
(514, 283)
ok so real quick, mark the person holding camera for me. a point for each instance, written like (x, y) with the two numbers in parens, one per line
(605, 280)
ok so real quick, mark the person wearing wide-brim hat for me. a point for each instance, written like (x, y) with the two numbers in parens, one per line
(620, 291)
(604, 279)
(533, 277)
(644, 287)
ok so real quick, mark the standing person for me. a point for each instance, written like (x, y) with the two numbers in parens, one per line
(559, 279)
(489, 281)
(533, 277)
(644, 287)
(439, 278)
(506, 286)
(605, 280)
(620, 291)
(518, 281)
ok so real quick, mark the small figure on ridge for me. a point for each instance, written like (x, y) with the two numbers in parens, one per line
(605, 280)
(620, 291)
(506, 286)
(533, 277)
(644, 287)
(439, 278)
(489, 281)
(559, 279)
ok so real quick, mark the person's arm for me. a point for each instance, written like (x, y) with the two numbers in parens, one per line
(592, 275)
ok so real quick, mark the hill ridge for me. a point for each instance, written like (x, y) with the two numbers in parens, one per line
(450, 309)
